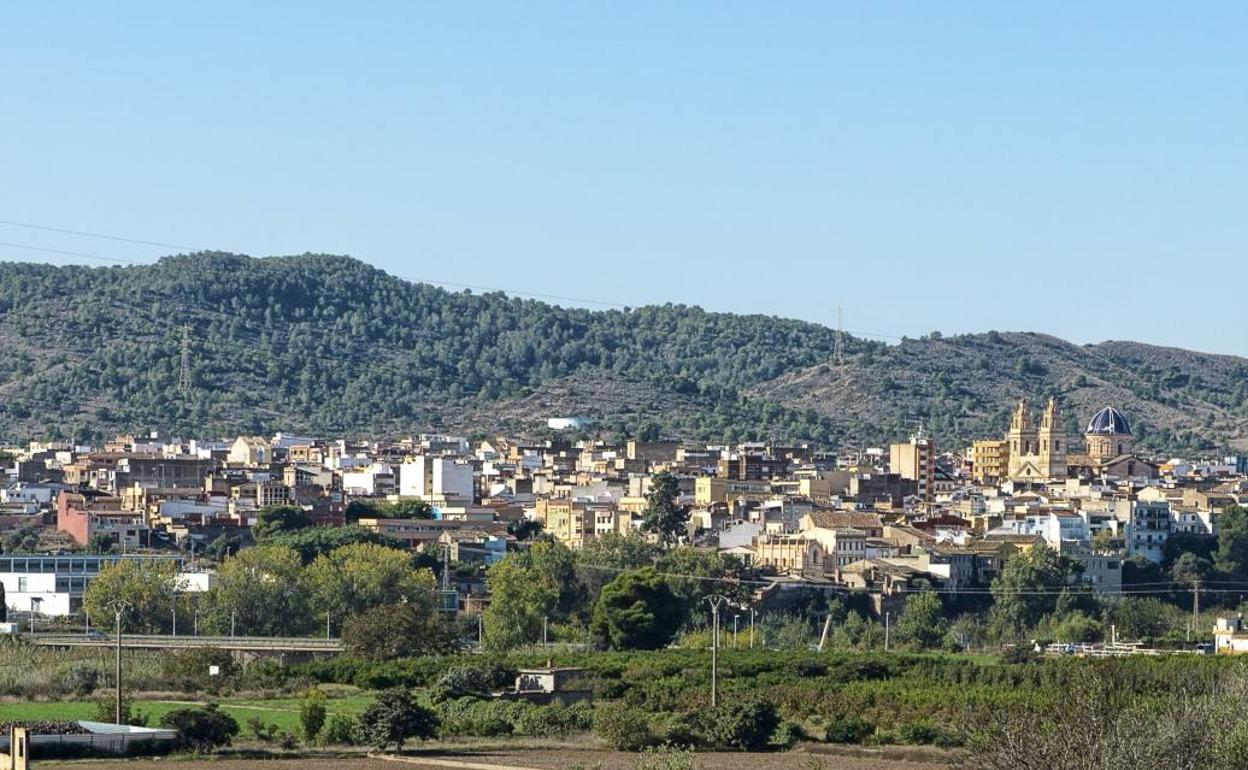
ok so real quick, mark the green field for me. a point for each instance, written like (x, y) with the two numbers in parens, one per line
(283, 712)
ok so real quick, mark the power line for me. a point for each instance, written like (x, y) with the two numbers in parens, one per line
(82, 254)
(85, 234)
(413, 279)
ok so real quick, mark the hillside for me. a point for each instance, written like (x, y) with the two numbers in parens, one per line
(330, 345)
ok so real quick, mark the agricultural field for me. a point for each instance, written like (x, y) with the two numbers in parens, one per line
(282, 712)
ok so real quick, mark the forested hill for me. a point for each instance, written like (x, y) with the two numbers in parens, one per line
(332, 346)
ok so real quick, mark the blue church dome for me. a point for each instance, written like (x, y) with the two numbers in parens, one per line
(1109, 422)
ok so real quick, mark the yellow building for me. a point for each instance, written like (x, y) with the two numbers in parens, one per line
(916, 461)
(713, 489)
(991, 460)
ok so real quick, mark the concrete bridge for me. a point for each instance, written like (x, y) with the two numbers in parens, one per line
(286, 648)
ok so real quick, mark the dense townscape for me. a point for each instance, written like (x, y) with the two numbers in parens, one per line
(1035, 544)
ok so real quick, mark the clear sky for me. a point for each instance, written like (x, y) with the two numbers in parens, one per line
(1071, 168)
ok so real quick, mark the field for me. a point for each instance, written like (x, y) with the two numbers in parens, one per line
(283, 712)
(536, 759)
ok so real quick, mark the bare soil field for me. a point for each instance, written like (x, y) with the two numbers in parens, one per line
(534, 759)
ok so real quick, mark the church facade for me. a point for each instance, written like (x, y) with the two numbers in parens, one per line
(1042, 452)
(1037, 453)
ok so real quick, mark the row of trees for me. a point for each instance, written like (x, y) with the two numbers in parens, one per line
(268, 590)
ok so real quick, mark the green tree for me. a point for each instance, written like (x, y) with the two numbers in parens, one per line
(1106, 541)
(1027, 589)
(100, 542)
(664, 516)
(201, 729)
(525, 587)
(279, 519)
(922, 624)
(1142, 617)
(1232, 553)
(394, 718)
(312, 713)
(1190, 569)
(146, 586)
(317, 541)
(263, 591)
(603, 557)
(399, 630)
(354, 578)
(636, 611)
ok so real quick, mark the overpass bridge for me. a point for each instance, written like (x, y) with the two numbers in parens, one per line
(254, 645)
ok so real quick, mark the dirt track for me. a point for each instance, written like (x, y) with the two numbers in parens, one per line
(554, 759)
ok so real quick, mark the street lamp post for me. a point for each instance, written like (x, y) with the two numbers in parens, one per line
(752, 614)
(118, 606)
(735, 618)
(715, 600)
(232, 614)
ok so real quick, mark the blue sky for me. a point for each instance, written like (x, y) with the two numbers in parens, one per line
(1071, 168)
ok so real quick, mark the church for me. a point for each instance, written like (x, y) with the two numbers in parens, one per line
(1037, 454)
(1043, 453)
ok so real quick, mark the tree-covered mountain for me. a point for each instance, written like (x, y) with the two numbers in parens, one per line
(332, 346)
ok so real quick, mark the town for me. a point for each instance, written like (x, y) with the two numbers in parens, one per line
(879, 524)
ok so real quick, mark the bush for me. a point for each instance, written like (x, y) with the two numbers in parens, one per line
(554, 721)
(312, 714)
(746, 726)
(106, 711)
(189, 669)
(665, 758)
(201, 729)
(784, 736)
(261, 731)
(849, 730)
(471, 680)
(622, 727)
(394, 718)
(339, 731)
(82, 679)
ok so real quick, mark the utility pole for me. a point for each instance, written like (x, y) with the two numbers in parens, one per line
(327, 616)
(752, 614)
(545, 626)
(175, 618)
(839, 353)
(184, 380)
(735, 618)
(886, 619)
(1196, 606)
(118, 606)
(232, 614)
(715, 600)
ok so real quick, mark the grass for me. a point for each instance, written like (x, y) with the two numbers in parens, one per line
(283, 712)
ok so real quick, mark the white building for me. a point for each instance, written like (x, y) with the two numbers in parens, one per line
(1148, 528)
(54, 585)
(436, 478)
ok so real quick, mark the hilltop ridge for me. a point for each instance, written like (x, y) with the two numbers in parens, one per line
(331, 345)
